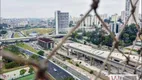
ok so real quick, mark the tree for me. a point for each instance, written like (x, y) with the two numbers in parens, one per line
(3, 32)
(91, 72)
(107, 40)
(79, 36)
(85, 43)
(84, 33)
(77, 64)
(14, 49)
(129, 34)
(22, 71)
(74, 34)
(31, 70)
(69, 78)
(35, 57)
(41, 53)
(12, 65)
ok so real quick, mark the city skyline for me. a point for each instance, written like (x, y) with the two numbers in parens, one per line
(45, 9)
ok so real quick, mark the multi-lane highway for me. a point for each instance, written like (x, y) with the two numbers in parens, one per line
(57, 72)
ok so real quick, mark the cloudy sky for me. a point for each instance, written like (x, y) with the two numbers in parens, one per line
(46, 8)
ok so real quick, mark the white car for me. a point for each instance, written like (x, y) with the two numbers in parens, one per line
(55, 70)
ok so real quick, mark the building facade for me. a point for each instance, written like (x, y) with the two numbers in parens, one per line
(46, 43)
(115, 27)
(123, 13)
(62, 22)
(128, 9)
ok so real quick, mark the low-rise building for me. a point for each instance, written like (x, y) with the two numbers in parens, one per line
(46, 43)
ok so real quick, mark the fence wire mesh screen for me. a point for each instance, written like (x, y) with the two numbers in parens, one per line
(42, 66)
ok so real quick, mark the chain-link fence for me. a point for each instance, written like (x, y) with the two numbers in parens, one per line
(42, 65)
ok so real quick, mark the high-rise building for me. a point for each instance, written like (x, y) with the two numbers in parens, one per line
(62, 22)
(128, 9)
(96, 20)
(123, 13)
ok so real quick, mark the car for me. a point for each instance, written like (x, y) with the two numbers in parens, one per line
(55, 69)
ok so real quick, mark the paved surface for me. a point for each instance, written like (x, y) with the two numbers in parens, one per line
(80, 73)
(60, 74)
(14, 74)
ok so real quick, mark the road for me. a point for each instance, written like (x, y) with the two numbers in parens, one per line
(60, 74)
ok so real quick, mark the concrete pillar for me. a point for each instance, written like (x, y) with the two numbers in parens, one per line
(91, 61)
(109, 68)
(78, 55)
(69, 52)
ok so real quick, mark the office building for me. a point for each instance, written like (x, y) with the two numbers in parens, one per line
(62, 22)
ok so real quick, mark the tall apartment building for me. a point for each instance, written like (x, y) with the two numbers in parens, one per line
(128, 9)
(62, 22)
(96, 21)
(123, 17)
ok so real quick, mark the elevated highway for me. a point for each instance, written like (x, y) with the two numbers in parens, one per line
(28, 38)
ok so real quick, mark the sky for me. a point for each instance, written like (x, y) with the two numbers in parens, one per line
(46, 8)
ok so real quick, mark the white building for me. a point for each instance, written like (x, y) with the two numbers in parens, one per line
(128, 9)
(91, 20)
(62, 22)
(123, 17)
(96, 21)
(115, 27)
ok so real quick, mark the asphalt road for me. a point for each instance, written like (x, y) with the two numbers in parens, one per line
(54, 70)
(59, 74)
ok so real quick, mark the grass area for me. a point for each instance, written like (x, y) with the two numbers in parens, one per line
(40, 31)
(32, 77)
(4, 70)
(16, 35)
(12, 69)
(25, 46)
(29, 77)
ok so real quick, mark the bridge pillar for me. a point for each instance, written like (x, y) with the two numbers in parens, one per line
(109, 68)
(91, 61)
(78, 55)
(69, 52)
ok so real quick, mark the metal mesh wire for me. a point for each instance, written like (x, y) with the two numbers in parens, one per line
(42, 66)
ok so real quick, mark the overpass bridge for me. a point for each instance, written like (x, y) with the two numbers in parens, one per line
(81, 49)
(23, 39)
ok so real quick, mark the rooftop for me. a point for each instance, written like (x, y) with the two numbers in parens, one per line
(45, 39)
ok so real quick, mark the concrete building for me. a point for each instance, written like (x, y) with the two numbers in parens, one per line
(46, 43)
(62, 22)
(114, 23)
(96, 20)
(90, 21)
(128, 9)
(115, 27)
(123, 13)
